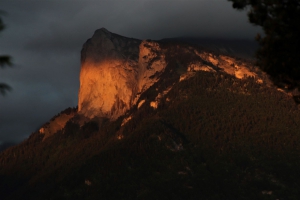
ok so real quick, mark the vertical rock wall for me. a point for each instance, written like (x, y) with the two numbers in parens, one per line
(114, 70)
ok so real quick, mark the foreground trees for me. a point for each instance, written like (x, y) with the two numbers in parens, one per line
(4, 61)
(279, 51)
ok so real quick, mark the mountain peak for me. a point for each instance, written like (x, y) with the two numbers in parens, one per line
(102, 32)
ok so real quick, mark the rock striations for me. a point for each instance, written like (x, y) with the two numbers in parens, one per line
(116, 70)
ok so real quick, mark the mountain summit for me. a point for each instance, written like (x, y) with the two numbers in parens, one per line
(116, 70)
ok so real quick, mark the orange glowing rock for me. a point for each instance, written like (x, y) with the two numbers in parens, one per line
(114, 70)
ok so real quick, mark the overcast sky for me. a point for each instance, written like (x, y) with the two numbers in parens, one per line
(44, 38)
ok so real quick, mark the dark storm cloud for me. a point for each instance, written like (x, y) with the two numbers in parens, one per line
(45, 38)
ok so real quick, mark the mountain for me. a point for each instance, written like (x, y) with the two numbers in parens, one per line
(116, 70)
(161, 120)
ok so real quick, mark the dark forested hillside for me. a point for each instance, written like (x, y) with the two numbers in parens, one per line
(212, 136)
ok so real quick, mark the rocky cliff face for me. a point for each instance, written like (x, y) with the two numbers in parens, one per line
(116, 70)
(109, 65)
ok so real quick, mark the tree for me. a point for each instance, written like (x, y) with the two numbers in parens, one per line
(5, 60)
(279, 51)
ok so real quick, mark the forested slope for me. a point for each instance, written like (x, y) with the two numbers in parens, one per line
(212, 136)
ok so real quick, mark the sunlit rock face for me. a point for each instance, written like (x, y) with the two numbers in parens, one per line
(114, 71)
(235, 67)
(151, 64)
(229, 65)
(108, 76)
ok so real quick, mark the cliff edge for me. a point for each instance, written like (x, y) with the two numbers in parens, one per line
(114, 71)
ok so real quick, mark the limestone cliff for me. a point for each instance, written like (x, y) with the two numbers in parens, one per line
(114, 70)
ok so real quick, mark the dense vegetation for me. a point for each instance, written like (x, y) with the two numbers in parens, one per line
(212, 137)
(278, 54)
(5, 61)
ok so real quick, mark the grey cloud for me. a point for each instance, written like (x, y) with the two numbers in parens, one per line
(27, 109)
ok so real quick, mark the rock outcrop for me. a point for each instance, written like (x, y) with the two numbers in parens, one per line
(114, 71)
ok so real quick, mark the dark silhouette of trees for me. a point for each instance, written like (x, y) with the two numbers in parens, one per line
(279, 50)
(4, 61)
